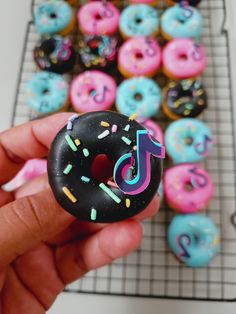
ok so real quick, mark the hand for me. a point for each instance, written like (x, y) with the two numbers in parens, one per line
(42, 247)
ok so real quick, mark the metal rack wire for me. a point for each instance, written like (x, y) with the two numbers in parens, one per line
(152, 271)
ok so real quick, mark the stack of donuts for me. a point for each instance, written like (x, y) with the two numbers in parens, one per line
(118, 60)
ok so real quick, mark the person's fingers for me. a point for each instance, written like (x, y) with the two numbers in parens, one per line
(34, 186)
(80, 228)
(27, 141)
(5, 197)
(75, 259)
(28, 221)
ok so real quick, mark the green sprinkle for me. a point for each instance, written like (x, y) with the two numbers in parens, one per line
(110, 193)
(93, 214)
(126, 140)
(127, 127)
(67, 169)
(71, 143)
(85, 179)
(85, 152)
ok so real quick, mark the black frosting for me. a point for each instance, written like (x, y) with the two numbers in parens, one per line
(193, 3)
(90, 196)
(97, 52)
(186, 98)
(49, 58)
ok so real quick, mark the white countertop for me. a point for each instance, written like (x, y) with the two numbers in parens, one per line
(13, 21)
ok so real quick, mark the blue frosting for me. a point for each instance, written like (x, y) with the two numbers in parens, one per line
(179, 21)
(188, 140)
(47, 92)
(194, 239)
(138, 95)
(139, 20)
(52, 17)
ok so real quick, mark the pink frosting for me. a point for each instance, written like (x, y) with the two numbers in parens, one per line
(183, 58)
(178, 197)
(93, 91)
(154, 130)
(98, 18)
(32, 169)
(140, 56)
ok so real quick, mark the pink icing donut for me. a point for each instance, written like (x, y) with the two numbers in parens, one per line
(93, 91)
(188, 188)
(154, 130)
(183, 58)
(32, 169)
(98, 18)
(139, 56)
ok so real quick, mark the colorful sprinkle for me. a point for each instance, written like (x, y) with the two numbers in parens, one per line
(85, 179)
(127, 202)
(105, 124)
(71, 143)
(67, 169)
(127, 127)
(68, 193)
(93, 214)
(114, 128)
(110, 193)
(103, 134)
(135, 147)
(112, 184)
(86, 152)
(126, 140)
(77, 142)
(133, 116)
(71, 120)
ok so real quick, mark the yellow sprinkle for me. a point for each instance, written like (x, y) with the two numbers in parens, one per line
(133, 116)
(127, 202)
(77, 142)
(105, 124)
(69, 194)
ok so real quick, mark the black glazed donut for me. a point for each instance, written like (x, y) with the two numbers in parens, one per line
(97, 52)
(184, 99)
(73, 173)
(55, 54)
(193, 3)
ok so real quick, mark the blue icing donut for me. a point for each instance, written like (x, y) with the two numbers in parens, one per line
(139, 20)
(182, 21)
(139, 95)
(53, 17)
(194, 239)
(47, 92)
(188, 140)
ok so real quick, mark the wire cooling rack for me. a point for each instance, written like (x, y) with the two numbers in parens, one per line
(152, 271)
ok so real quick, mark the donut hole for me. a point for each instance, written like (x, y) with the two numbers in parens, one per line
(183, 57)
(138, 20)
(53, 15)
(45, 91)
(189, 140)
(92, 92)
(138, 55)
(188, 186)
(138, 96)
(102, 168)
(98, 16)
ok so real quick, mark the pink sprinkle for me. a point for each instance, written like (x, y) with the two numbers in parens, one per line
(112, 184)
(114, 128)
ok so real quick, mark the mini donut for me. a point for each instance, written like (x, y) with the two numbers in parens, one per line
(154, 129)
(139, 57)
(92, 91)
(184, 99)
(84, 187)
(194, 239)
(138, 95)
(193, 3)
(55, 54)
(47, 93)
(183, 59)
(31, 170)
(98, 52)
(98, 18)
(188, 140)
(188, 188)
(53, 17)
(139, 20)
(181, 21)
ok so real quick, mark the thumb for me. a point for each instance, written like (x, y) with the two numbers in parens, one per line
(27, 221)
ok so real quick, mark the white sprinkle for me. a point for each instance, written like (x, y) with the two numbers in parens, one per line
(103, 134)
